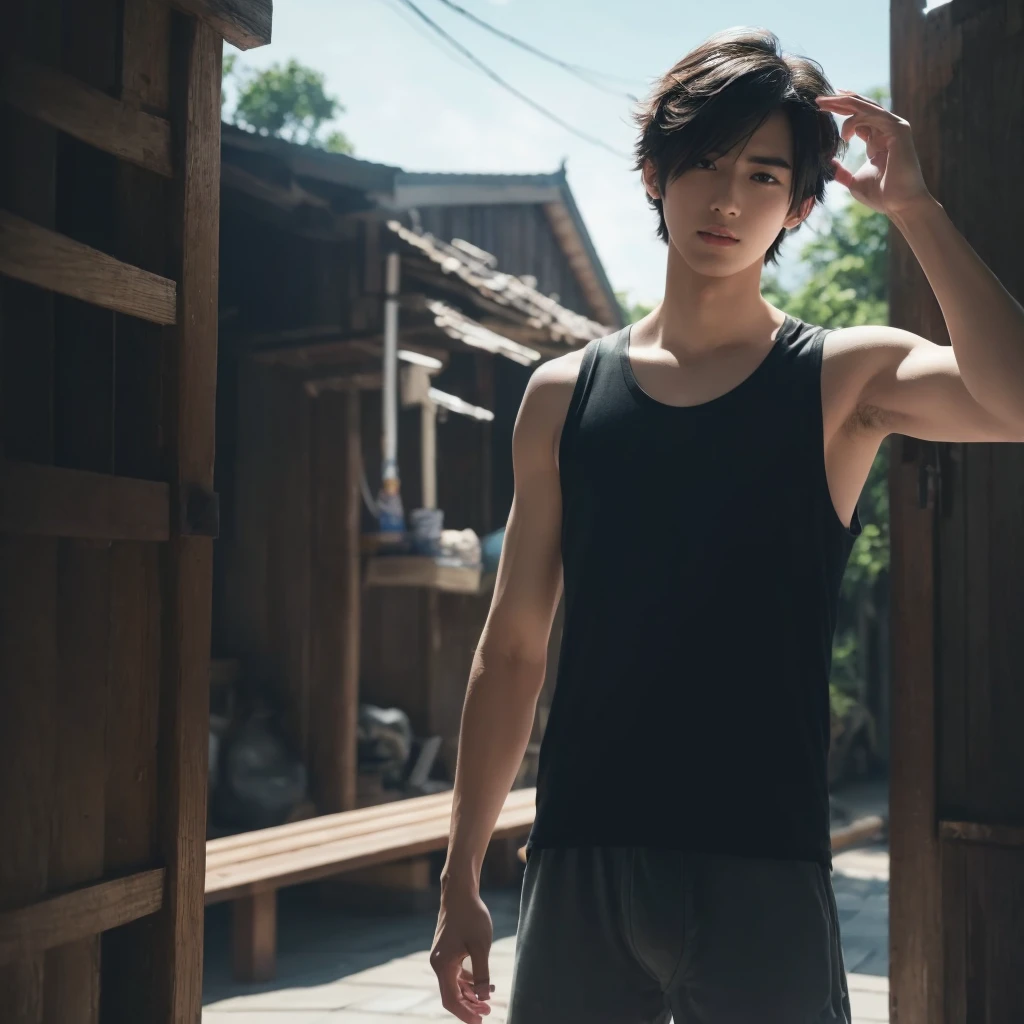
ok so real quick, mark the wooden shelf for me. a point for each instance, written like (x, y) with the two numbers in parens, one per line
(422, 571)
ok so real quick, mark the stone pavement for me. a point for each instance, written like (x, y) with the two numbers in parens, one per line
(359, 968)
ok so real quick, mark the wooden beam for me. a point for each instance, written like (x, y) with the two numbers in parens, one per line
(88, 114)
(50, 260)
(977, 832)
(189, 429)
(79, 913)
(49, 501)
(243, 23)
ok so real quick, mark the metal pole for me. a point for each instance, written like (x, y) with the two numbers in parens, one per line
(390, 398)
(391, 516)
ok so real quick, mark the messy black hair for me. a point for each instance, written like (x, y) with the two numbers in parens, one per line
(719, 94)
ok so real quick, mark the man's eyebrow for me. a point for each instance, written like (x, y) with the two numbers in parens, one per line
(771, 161)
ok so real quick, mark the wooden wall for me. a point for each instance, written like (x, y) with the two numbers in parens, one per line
(957, 786)
(288, 607)
(109, 114)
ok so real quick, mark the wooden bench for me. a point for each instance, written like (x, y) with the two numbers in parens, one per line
(248, 869)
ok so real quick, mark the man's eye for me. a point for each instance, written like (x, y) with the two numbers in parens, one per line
(764, 174)
(703, 160)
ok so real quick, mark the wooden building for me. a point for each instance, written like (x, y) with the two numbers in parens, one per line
(305, 238)
(957, 764)
(109, 173)
(109, 195)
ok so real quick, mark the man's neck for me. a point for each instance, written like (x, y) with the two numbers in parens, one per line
(700, 313)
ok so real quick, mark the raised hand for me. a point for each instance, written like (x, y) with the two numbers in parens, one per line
(890, 180)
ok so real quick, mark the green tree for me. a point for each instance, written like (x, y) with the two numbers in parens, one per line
(287, 102)
(845, 284)
(631, 311)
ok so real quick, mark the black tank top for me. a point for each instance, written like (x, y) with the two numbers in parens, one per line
(702, 558)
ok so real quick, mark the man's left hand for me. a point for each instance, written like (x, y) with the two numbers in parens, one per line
(890, 180)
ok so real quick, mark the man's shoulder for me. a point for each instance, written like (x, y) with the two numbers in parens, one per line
(552, 383)
(547, 398)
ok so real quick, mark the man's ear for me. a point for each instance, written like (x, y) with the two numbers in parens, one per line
(801, 214)
(650, 176)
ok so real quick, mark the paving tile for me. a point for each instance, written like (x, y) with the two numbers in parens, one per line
(403, 973)
(854, 954)
(860, 982)
(361, 1017)
(397, 1000)
(870, 1007)
(213, 1016)
(332, 996)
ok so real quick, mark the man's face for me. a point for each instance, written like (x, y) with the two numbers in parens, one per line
(745, 192)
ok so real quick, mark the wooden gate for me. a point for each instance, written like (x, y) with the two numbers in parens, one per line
(109, 201)
(957, 750)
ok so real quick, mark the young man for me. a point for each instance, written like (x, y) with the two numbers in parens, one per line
(693, 480)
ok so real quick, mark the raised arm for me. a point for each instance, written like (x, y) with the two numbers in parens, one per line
(505, 680)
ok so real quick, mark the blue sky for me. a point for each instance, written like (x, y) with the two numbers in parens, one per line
(410, 102)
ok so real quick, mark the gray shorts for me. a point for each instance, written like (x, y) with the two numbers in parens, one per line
(634, 936)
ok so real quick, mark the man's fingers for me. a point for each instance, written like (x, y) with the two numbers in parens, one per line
(453, 997)
(484, 990)
(481, 974)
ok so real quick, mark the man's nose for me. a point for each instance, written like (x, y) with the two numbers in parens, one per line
(726, 199)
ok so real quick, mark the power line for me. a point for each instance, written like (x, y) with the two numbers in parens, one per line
(583, 73)
(421, 30)
(510, 88)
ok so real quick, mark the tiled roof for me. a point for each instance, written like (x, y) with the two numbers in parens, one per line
(540, 311)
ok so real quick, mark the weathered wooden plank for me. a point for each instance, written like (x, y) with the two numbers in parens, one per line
(130, 954)
(980, 832)
(288, 556)
(426, 806)
(326, 859)
(81, 912)
(915, 894)
(50, 260)
(27, 564)
(51, 501)
(254, 936)
(88, 114)
(246, 538)
(916, 897)
(28, 667)
(332, 828)
(83, 441)
(334, 641)
(243, 23)
(184, 720)
(994, 899)
(77, 837)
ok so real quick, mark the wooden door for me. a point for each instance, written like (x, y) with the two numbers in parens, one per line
(109, 199)
(957, 756)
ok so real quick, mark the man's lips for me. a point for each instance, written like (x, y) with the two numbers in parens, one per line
(716, 239)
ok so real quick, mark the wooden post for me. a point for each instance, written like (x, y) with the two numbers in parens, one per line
(254, 936)
(336, 504)
(184, 721)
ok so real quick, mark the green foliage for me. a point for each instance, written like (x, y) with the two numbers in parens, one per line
(845, 284)
(631, 311)
(846, 272)
(287, 102)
